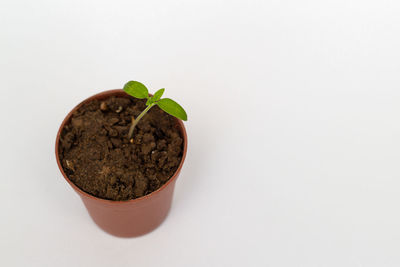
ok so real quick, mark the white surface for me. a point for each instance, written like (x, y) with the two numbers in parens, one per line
(293, 129)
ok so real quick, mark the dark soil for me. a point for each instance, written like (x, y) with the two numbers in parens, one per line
(97, 156)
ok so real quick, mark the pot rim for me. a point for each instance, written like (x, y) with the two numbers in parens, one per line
(105, 94)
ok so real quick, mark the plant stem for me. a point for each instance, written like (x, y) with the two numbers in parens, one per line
(136, 121)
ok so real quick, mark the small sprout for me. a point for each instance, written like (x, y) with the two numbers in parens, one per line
(70, 165)
(103, 106)
(139, 90)
(119, 109)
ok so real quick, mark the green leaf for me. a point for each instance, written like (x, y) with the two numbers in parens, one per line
(157, 95)
(136, 89)
(149, 101)
(173, 108)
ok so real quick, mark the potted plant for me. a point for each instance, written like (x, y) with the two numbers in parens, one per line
(122, 151)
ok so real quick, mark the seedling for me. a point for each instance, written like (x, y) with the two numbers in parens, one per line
(139, 90)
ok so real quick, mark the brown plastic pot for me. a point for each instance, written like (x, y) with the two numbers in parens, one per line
(133, 217)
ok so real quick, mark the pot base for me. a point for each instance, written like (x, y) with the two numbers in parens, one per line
(127, 220)
(129, 228)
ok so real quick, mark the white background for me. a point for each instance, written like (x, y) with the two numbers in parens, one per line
(293, 129)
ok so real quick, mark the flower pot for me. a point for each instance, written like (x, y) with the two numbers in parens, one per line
(132, 217)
